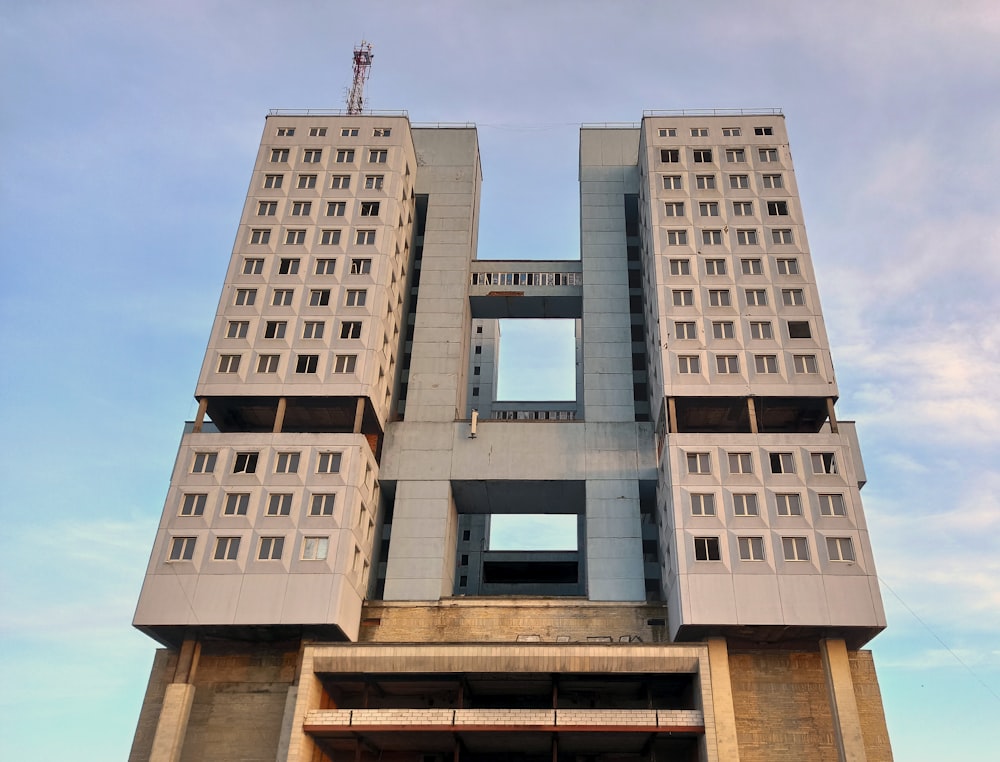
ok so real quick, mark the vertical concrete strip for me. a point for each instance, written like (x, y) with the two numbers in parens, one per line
(843, 704)
(308, 694)
(722, 701)
(172, 727)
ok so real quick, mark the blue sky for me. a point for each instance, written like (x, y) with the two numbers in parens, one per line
(130, 129)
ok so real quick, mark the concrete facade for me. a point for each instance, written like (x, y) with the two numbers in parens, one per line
(322, 576)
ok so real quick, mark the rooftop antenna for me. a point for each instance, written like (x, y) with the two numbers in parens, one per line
(362, 66)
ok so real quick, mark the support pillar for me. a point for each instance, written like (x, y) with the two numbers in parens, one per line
(279, 415)
(672, 414)
(171, 729)
(359, 414)
(843, 703)
(752, 410)
(722, 700)
(199, 419)
(832, 415)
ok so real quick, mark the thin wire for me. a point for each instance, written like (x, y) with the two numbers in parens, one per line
(938, 639)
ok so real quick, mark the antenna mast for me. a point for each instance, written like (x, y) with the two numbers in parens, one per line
(362, 66)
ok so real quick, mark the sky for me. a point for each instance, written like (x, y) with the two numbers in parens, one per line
(130, 130)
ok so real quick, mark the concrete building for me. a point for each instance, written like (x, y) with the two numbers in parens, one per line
(323, 581)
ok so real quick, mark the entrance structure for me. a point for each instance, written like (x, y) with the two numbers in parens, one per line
(322, 580)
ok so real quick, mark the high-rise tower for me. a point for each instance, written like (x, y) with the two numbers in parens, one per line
(323, 579)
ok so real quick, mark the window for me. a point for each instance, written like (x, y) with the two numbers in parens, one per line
(204, 463)
(745, 504)
(699, 132)
(193, 504)
(328, 238)
(356, 297)
(768, 154)
(795, 548)
(680, 267)
(723, 329)
(715, 267)
(270, 548)
(740, 463)
(702, 504)
(306, 363)
(823, 463)
(677, 238)
(743, 208)
(361, 266)
(267, 208)
(364, 237)
(772, 181)
(683, 297)
(719, 297)
(229, 363)
(284, 132)
(181, 549)
(731, 132)
(789, 504)
(245, 463)
(799, 329)
(345, 156)
(765, 363)
(253, 266)
(706, 549)
(746, 237)
(273, 181)
(340, 182)
(267, 364)
(349, 132)
(374, 182)
(777, 208)
(288, 266)
(705, 182)
(708, 209)
(727, 363)
(369, 208)
(279, 155)
(226, 548)
(752, 267)
(282, 297)
(734, 155)
(327, 266)
(312, 156)
(756, 297)
(672, 182)
(323, 504)
(685, 330)
(782, 463)
(667, 132)
(350, 329)
(275, 329)
(317, 132)
(305, 182)
(674, 209)
(328, 463)
(286, 463)
(751, 548)
(319, 297)
(258, 236)
(378, 156)
(345, 363)
(711, 237)
(699, 463)
(670, 155)
(237, 329)
(295, 237)
(279, 504)
(313, 329)
(739, 182)
(315, 548)
(805, 364)
(761, 330)
(703, 156)
(236, 504)
(336, 208)
(762, 131)
(829, 505)
(840, 548)
(781, 235)
(688, 364)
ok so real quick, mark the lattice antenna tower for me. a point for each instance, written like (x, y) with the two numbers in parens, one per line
(362, 67)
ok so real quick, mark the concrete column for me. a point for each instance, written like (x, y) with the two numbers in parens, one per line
(752, 411)
(279, 415)
(359, 414)
(421, 563)
(833, 416)
(308, 695)
(199, 419)
(843, 703)
(722, 700)
(172, 727)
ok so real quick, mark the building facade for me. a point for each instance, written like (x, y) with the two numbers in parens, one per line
(322, 579)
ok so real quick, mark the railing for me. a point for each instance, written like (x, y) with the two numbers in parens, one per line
(715, 112)
(331, 112)
(527, 279)
(534, 415)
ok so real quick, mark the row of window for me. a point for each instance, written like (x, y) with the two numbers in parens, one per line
(237, 503)
(763, 364)
(275, 181)
(726, 329)
(315, 155)
(792, 548)
(246, 461)
(277, 329)
(269, 208)
(346, 132)
(527, 279)
(722, 297)
(268, 548)
(292, 265)
(711, 208)
(736, 182)
(327, 237)
(746, 504)
(748, 266)
(702, 132)
(705, 155)
(304, 363)
(780, 462)
(744, 236)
